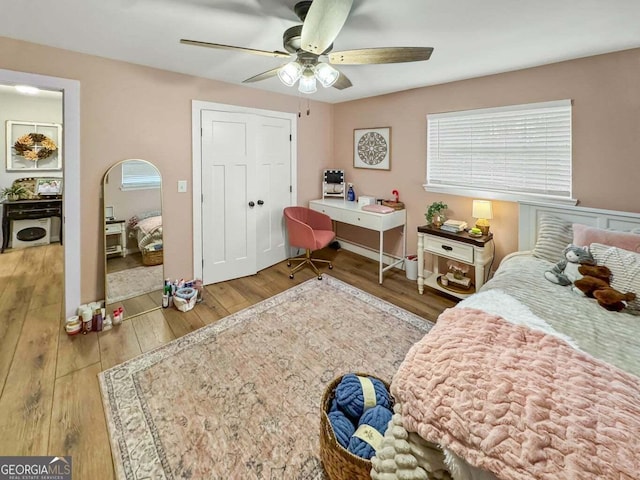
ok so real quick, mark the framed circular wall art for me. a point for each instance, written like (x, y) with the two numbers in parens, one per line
(372, 148)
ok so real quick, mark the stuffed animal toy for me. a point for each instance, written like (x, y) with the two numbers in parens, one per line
(595, 284)
(565, 272)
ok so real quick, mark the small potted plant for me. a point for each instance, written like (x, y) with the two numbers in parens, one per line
(435, 215)
(14, 192)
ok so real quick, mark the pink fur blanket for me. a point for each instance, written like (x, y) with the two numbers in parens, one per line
(519, 403)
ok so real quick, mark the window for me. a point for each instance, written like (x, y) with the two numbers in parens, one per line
(509, 153)
(138, 175)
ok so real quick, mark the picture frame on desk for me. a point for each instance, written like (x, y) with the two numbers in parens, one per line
(48, 186)
(372, 148)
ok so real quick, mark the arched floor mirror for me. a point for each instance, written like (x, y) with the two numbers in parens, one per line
(133, 240)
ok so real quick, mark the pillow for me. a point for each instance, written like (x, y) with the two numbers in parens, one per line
(584, 235)
(150, 224)
(554, 234)
(625, 270)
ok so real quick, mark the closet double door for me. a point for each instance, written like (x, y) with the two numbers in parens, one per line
(246, 184)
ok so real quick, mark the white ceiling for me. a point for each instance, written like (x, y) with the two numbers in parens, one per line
(470, 38)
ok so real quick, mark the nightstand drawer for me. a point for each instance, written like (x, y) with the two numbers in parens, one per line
(114, 228)
(448, 248)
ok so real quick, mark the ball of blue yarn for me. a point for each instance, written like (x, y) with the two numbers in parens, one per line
(342, 427)
(351, 399)
(376, 417)
(334, 406)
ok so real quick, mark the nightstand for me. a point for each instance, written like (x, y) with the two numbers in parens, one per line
(461, 247)
(117, 229)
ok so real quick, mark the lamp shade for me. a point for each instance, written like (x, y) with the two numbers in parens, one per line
(307, 82)
(326, 74)
(482, 209)
(290, 73)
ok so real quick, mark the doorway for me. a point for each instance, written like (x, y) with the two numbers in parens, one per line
(70, 90)
(244, 174)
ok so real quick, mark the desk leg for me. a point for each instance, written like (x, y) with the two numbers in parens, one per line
(5, 233)
(380, 257)
(420, 263)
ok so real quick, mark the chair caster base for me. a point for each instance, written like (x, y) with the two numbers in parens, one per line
(291, 276)
(330, 267)
(319, 277)
(288, 264)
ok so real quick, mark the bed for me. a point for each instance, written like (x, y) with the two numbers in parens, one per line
(147, 230)
(527, 379)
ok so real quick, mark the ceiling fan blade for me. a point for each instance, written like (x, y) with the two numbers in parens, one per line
(322, 24)
(342, 82)
(381, 55)
(263, 76)
(236, 49)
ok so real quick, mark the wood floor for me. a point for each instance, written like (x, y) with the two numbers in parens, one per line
(50, 402)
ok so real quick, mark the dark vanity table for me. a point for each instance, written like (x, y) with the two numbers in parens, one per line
(28, 209)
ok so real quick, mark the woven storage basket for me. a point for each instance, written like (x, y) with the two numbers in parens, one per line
(338, 462)
(153, 257)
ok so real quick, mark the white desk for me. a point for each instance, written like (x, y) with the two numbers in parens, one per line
(349, 212)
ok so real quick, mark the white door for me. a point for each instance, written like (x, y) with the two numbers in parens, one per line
(246, 179)
(273, 188)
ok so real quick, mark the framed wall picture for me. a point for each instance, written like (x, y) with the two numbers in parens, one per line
(49, 186)
(372, 148)
(33, 146)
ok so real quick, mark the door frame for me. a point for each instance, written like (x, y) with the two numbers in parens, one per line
(70, 170)
(197, 106)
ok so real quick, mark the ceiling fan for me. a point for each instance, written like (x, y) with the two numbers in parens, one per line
(312, 44)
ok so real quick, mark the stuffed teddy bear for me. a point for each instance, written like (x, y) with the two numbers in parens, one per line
(595, 284)
(566, 272)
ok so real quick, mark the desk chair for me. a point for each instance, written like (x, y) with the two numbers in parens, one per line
(310, 230)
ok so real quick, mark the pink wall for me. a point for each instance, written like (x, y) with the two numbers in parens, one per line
(606, 137)
(132, 111)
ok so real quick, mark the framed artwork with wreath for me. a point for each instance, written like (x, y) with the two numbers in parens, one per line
(372, 148)
(33, 146)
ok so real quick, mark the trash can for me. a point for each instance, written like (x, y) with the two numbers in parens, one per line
(411, 267)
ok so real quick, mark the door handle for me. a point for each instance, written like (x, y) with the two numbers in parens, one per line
(251, 204)
(260, 202)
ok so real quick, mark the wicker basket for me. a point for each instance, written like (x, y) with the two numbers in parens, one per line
(338, 462)
(153, 257)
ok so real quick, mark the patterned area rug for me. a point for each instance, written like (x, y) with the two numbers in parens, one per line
(239, 399)
(133, 282)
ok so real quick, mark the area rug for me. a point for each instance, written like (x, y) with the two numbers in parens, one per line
(240, 398)
(133, 282)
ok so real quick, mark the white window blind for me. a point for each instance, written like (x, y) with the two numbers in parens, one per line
(137, 174)
(513, 152)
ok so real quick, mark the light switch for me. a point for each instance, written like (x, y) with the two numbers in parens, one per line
(182, 186)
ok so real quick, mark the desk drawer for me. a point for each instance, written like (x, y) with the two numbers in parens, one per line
(362, 219)
(114, 228)
(448, 248)
(334, 213)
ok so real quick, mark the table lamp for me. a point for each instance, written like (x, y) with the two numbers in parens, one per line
(483, 212)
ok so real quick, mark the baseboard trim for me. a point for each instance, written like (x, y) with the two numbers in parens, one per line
(369, 252)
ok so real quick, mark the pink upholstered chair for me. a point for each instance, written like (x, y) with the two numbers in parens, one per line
(310, 230)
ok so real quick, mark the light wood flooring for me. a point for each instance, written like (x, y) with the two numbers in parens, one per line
(50, 401)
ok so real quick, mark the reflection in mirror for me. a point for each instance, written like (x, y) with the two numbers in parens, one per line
(132, 193)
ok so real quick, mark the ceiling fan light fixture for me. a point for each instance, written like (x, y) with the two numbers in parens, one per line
(326, 74)
(307, 82)
(290, 73)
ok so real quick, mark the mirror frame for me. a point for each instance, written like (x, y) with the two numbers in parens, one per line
(104, 234)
